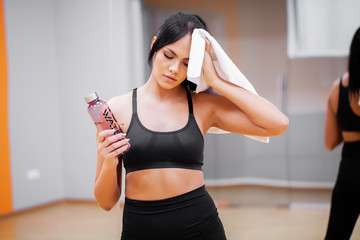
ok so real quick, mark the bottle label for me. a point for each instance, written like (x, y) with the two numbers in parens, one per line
(109, 117)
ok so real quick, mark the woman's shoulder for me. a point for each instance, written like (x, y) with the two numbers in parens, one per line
(121, 107)
(345, 79)
(204, 97)
(334, 95)
(335, 85)
(209, 100)
(120, 100)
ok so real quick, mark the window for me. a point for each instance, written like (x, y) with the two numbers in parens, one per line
(321, 28)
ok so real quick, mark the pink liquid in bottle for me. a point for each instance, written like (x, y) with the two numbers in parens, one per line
(101, 114)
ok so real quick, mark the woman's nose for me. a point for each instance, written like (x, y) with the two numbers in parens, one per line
(174, 68)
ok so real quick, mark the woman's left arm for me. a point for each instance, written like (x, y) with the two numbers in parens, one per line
(239, 110)
(332, 136)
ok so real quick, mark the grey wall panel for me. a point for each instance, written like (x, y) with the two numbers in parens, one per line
(34, 118)
(83, 37)
(296, 158)
(58, 52)
(94, 42)
(309, 158)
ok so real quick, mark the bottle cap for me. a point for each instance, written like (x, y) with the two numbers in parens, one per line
(91, 97)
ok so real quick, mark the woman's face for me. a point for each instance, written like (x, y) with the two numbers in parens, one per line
(170, 63)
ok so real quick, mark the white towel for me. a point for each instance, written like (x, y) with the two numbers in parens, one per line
(226, 69)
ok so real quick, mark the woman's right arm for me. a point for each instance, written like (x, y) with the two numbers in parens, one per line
(107, 187)
(333, 136)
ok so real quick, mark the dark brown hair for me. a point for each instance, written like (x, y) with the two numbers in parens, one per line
(174, 28)
(354, 63)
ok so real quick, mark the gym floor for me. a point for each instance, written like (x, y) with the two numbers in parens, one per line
(77, 220)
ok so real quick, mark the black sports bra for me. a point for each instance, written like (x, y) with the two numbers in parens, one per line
(347, 119)
(149, 149)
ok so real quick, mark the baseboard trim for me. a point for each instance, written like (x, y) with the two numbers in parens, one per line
(225, 182)
(46, 205)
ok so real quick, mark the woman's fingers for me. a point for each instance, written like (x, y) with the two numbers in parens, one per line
(207, 45)
(119, 144)
(113, 151)
(107, 137)
(119, 151)
(209, 70)
(110, 145)
(104, 134)
(109, 140)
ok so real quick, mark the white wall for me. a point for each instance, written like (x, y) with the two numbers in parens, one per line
(58, 52)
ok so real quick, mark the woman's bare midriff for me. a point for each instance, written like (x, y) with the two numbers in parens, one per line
(351, 136)
(156, 184)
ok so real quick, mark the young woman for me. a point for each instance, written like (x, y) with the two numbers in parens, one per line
(166, 124)
(343, 126)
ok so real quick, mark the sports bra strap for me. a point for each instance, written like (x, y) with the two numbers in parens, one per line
(188, 94)
(343, 91)
(134, 107)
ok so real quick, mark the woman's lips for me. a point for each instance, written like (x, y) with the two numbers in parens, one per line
(170, 78)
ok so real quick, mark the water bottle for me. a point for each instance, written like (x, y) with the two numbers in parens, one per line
(101, 114)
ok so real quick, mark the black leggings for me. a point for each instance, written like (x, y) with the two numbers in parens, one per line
(345, 202)
(190, 216)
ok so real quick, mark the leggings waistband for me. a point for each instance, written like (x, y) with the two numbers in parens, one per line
(201, 191)
(351, 149)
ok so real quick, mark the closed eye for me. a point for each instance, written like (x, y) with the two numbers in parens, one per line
(167, 56)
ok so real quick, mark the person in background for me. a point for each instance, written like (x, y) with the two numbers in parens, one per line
(343, 126)
(165, 125)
